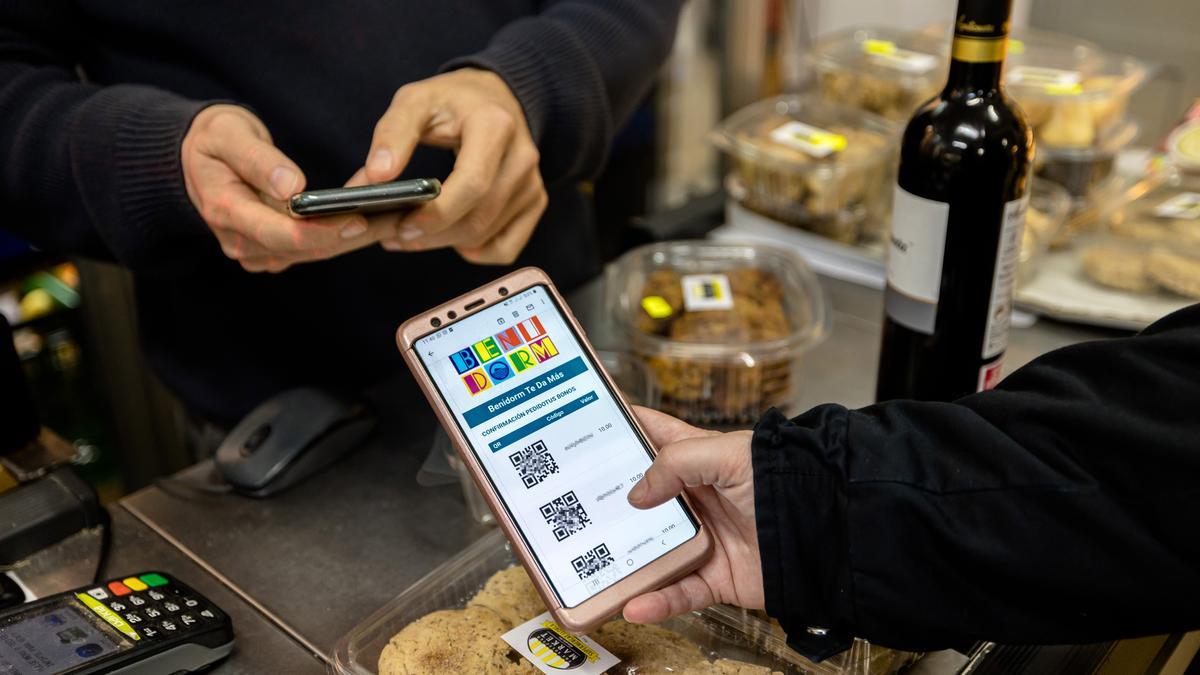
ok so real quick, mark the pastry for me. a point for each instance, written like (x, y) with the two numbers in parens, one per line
(829, 195)
(722, 393)
(648, 649)
(1141, 229)
(1176, 272)
(511, 595)
(452, 641)
(1117, 267)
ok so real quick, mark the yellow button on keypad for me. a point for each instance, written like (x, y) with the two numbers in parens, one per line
(135, 584)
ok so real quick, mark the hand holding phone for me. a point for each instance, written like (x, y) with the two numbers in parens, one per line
(553, 446)
(719, 466)
(229, 165)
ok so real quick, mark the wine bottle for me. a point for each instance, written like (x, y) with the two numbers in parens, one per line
(958, 215)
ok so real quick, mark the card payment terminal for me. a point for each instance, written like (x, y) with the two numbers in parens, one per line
(138, 625)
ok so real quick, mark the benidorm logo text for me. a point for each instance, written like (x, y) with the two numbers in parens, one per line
(498, 357)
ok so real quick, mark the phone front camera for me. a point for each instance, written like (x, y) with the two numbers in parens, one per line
(503, 291)
(436, 322)
(452, 315)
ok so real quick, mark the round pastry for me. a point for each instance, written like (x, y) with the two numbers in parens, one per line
(1185, 231)
(648, 649)
(1175, 272)
(1118, 268)
(450, 642)
(511, 595)
(1141, 229)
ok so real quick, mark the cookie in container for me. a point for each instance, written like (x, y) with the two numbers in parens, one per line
(824, 167)
(720, 329)
(451, 622)
(1152, 244)
(885, 71)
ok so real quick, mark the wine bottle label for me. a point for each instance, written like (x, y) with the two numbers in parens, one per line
(914, 266)
(989, 375)
(995, 336)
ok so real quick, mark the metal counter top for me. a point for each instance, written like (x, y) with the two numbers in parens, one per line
(318, 559)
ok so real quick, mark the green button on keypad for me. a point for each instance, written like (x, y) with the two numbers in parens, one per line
(154, 580)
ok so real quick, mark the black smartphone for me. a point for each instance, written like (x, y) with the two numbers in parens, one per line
(402, 194)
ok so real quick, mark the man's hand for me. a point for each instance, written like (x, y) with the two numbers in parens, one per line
(232, 170)
(492, 200)
(716, 471)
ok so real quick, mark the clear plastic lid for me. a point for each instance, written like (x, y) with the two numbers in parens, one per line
(717, 301)
(716, 640)
(806, 135)
(882, 70)
(1049, 204)
(1073, 92)
(1151, 245)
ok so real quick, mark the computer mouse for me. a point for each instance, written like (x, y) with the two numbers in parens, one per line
(289, 437)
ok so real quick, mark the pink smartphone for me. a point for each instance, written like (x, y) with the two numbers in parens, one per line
(553, 446)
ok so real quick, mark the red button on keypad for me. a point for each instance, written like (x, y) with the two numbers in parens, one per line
(119, 588)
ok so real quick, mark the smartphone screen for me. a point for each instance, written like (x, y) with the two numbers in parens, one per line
(552, 439)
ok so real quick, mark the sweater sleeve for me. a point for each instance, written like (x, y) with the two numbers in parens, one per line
(1061, 507)
(88, 170)
(579, 68)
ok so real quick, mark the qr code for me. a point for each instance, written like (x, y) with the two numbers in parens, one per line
(534, 464)
(593, 561)
(566, 515)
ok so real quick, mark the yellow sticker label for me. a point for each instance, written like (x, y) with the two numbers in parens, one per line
(881, 47)
(809, 139)
(1064, 88)
(552, 650)
(656, 306)
(108, 615)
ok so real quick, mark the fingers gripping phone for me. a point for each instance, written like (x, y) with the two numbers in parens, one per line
(553, 446)
(404, 194)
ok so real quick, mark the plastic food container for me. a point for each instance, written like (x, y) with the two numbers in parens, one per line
(1083, 170)
(718, 632)
(1074, 94)
(1049, 204)
(824, 167)
(1152, 244)
(881, 70)
(719, 329)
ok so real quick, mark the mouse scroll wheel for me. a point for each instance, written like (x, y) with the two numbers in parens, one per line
(255, 440)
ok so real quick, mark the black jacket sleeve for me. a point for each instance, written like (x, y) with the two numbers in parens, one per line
(1062, 507)
(579, 68)
(86, 169)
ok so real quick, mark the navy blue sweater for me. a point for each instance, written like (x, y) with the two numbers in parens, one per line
(96, 96)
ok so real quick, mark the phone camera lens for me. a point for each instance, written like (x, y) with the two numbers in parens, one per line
(452, 315)
(503, 291)
(436, 322)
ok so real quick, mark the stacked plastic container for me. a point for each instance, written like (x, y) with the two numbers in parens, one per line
(813, 164)
(1076, 97)
(881, 70)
